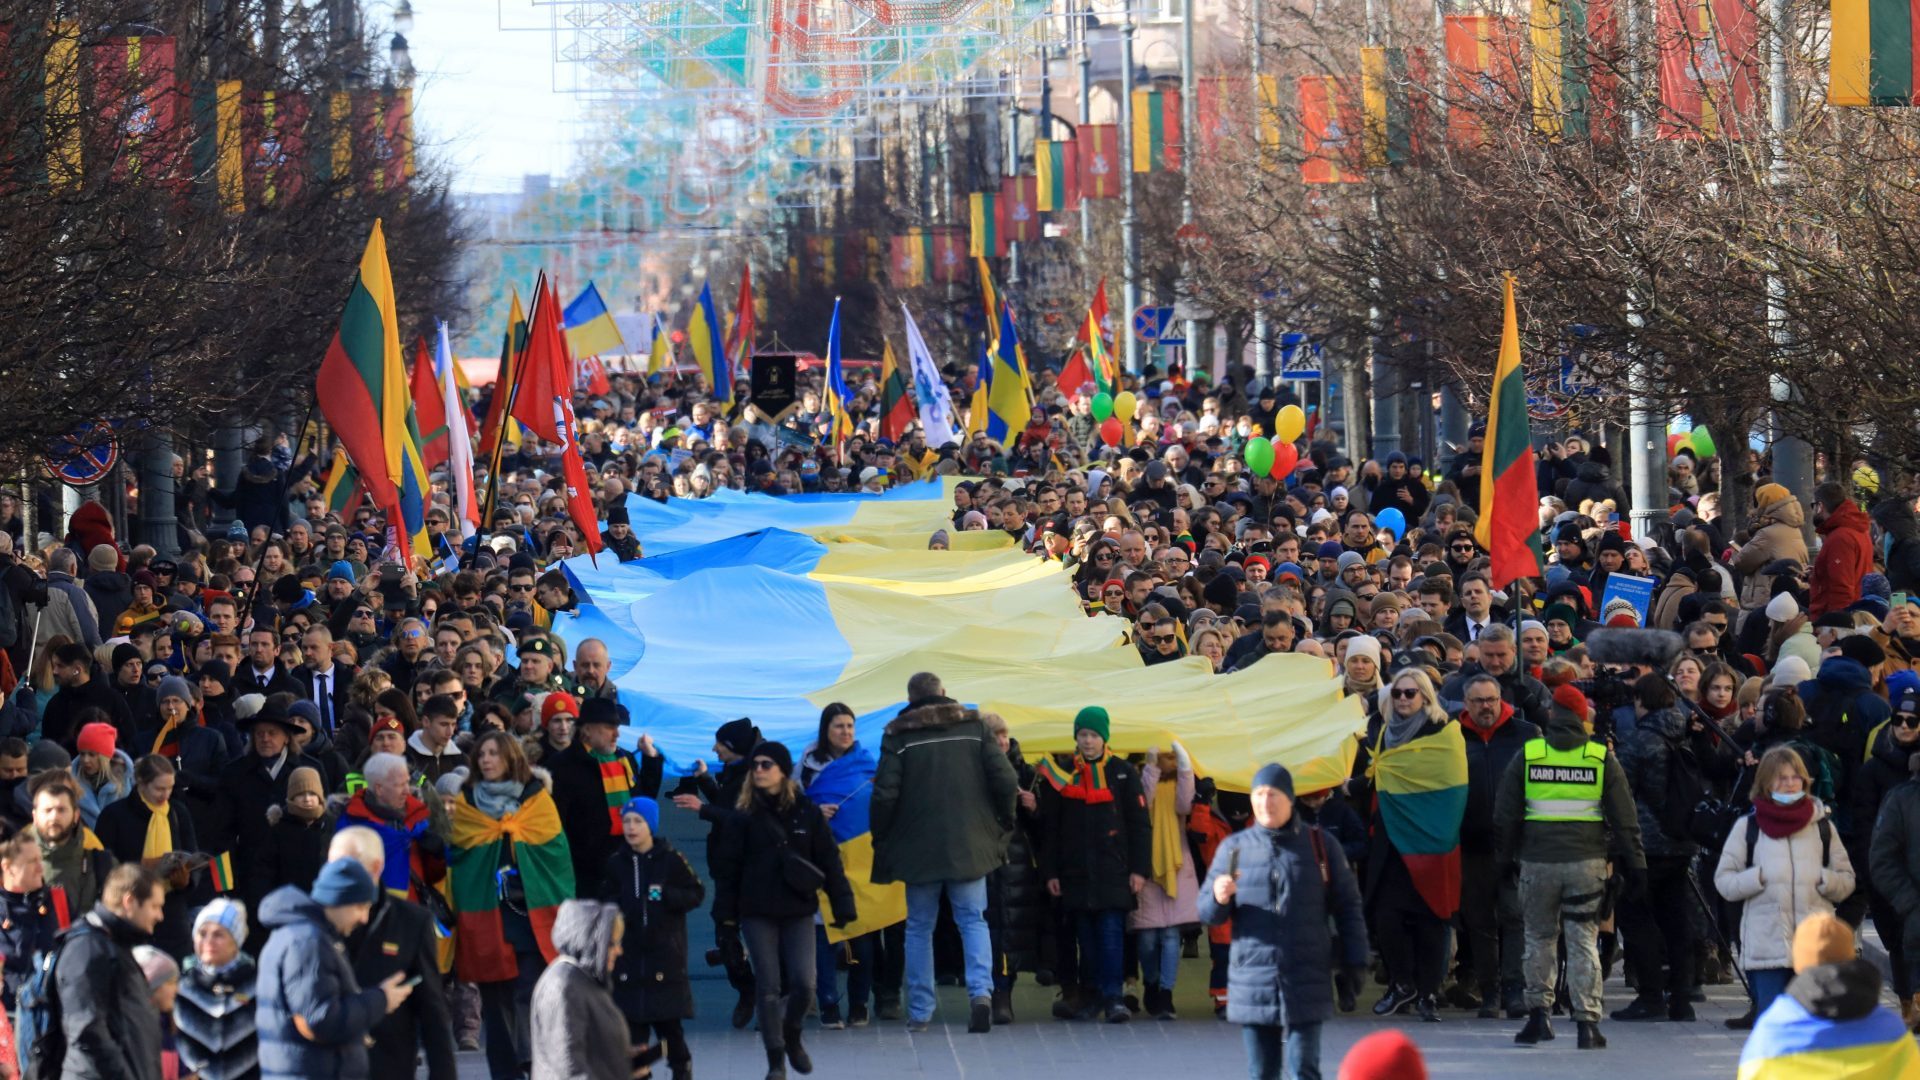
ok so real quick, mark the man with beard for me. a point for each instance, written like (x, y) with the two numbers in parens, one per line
(76, 862)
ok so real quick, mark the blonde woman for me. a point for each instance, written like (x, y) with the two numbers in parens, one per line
(1411, 934)
(1782, 863)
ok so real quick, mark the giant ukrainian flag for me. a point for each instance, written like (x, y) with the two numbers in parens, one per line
(842, 601)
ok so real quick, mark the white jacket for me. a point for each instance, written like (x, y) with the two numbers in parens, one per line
(1785, 884)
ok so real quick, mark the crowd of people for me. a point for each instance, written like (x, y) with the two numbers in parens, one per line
(280, 805)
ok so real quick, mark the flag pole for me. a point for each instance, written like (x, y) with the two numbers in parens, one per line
(506, 417)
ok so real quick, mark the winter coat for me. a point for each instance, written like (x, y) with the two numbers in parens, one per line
(1592, 480)
(1092, 847)
(1896, 519)
(399, 936)
(200, 753)
(1830, 1024)
(1154, 909)
(1526, 694)
(251, 792)
(113, 785)
(1489, 754)
(577, 1030)
(655, 890)
(1846, 556)
(60, 720)
(1779, 533)
(123, 832)
(112, 1032)
(416, 855)
(747, 854)
(432, 766)
(213, 1021)
(111, 593)
(29, 923)
(313, 1016)
(293, 854)
(1783, 884)
(943, 797)
(83, 608)
(77, 865)
(1842, 710)
(1388, 494)
(1895, 857)
(1646, 753)
(1017, 902)
(1884, 770)
(1287, 892)
(579, 795)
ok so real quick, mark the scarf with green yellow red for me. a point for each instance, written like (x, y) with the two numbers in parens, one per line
(1086, 783)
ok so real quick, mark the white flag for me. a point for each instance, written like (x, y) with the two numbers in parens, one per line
(929, 390)
(459, 449)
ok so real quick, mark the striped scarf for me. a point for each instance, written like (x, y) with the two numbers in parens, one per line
(1087, 782)
(616, 778)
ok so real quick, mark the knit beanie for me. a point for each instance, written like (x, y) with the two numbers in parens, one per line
(738, 736)
(124, 652)
(47, 754)
(1384, 1055)
(1093, 718)
(227, 913)
(304, 780)
(558, 702)
(173, 686)
(1789, 671)
(159, 968)
(1364, 645)
(777, 753)
(1768, 494)
(646, 808)
(1821, 939)
(1274, 775)
(1569, 697)
(342, 882)
(103, 559)
(96, 739)
(1782, 607)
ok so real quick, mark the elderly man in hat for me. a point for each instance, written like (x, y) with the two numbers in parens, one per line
(592, 779)
(256, 782)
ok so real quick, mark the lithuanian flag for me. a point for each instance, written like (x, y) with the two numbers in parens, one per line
(1509, 495)
(220, 871)
(343, 489)
(897, 409)
(1872, 53)
(362, 387)
(1055, 170)
(1386, 110)
(1422, 785)
(1572, 70)
(986, 240)
(1156, 130)
(478, 845)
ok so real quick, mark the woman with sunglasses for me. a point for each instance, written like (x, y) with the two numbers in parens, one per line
(770, 860)
(1886, 768)
(1412, 937)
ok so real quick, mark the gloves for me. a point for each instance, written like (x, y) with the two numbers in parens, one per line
(1636, 878)
(1180, 755)
(844, 913)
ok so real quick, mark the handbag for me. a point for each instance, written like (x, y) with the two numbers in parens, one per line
(799, 873)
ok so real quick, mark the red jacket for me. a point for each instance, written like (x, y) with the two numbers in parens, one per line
(1846, 556)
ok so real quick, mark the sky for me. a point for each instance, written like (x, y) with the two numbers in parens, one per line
(485, 98)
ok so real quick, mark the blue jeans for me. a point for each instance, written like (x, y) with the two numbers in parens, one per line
(1767, 984)
(1103, 947)
(826, 969)
(969, 902)
(1160, 956)
(1277, 1053)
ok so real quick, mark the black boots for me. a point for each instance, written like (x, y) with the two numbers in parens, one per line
(1002, 1008)
(743, 1009)
(776, 1064)
(1645, 1007)
(797, 1054)
(1538, 1029)
(1590, 1037)
(980, 1018)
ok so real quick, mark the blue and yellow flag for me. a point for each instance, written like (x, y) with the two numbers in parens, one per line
(703, 337)
(660, 350)
(590, 327)
(1790, 1043)
(847, 783)
(1009, 406)
(839, 396)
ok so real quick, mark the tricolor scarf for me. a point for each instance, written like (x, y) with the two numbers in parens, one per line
(616, 777)
(1087, 782)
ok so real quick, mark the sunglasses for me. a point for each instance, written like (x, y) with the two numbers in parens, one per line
(1408, 692)
(1463, 547)
(519, 588)
(363, 613)
(1907, 720)
(762, 764)
(1164, 639)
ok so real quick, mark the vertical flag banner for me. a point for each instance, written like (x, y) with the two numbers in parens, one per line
(1483, 74)
(362, 385)
(512, 343)
(343, 490)
(1098, 151)
(1008, 400)
(1574, 80)
(1509, 494)
(709, 352)
(340, 140)
(1268, 125)
(660, 349)
(590, 327)
(1709, 68)
(65, 156)
(985, 237)
(1872, 51)
(459, 442)
(429, 408)
(1056, 174)
(1156, 130)
(1328, 122)
(1386, 107)
(930, 394)
(1018, 195)
(137, 111)
(839, 395)
(896, 397)
(273, 132)
(740, 336)
(1215, 99)
(949, 254)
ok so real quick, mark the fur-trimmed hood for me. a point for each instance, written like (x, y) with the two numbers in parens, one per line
(931, 713)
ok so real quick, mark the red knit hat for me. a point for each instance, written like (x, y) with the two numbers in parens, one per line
(558, 702)
(1384, 1055)
(96, 739)
(1570, 698)
(388, 723)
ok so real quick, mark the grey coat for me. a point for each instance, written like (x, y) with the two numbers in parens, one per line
(943, 797)
(578, 1032)
(1280, 969)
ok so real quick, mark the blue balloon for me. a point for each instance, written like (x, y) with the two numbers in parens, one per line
(1392, 519)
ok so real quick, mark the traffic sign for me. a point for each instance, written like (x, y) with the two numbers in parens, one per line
(84, 455)
(1299, 357)
(1192, 238)
(1150, 323)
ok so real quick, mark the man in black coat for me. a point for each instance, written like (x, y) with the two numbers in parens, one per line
(255, 784)
(399, 936)
(110, 1025)
(1500, 658)
(1489, 901)
(589, 808)
(82, 688)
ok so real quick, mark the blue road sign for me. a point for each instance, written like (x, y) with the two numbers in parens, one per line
(1299, 357)
(1150, 324)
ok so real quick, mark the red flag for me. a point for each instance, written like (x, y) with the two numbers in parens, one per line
(596, 373)
(1019, 196)
(1709, 68)
(1100, 163)
(429, 408)
(544, 382)
(740, 338)
(273, 126)
(137, 115)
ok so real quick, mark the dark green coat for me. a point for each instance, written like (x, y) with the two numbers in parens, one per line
(943, 797)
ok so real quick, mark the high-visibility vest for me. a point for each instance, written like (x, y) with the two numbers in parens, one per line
(1565, 785)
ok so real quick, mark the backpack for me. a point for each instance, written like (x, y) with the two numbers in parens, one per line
(37, 1025)
(1826, 840)
(1823, 766)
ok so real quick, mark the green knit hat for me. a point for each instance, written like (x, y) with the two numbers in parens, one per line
(1092, 718)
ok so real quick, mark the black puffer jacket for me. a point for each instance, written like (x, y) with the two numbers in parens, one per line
(1593, 480)
(1016, 897)
(113, 1032)
(1092, 847)
(1885, 769)
(1488, 757)
(655, 891)
(1896, 518)
(747, 857)
(1896, 858)
(1645, 754)
(213, 1021)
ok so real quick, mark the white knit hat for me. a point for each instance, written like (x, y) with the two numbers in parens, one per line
(1782, 607)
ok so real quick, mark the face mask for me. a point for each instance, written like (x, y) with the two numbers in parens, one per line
(1788, 798)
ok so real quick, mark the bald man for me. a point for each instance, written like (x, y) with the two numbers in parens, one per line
(592, 668)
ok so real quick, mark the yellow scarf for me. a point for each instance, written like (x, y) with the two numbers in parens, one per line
(159, 832)
(1169, 838)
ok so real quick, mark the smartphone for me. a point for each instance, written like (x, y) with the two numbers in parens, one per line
(413, 982)
(1233, 864)
(1899, 599)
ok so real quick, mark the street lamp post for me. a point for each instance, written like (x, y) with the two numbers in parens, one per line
(1262, 348)
(1129, 240)
(1189, 123)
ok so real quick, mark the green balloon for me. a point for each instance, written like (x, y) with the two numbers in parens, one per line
(1702, 442)
(1259, 455)
(1102, 406)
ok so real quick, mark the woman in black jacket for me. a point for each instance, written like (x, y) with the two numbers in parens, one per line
(1017, 909)
(770, 860)
(1886, 768)
(655, 887)
(125, 830)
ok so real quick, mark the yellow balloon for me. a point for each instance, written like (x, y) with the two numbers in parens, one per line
(1123, 405)
(1290, 423)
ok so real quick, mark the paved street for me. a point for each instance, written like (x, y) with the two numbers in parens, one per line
(1196, 1045)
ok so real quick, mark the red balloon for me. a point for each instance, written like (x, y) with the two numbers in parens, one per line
(1110, 431)
(1674, 442)
(1285, 457)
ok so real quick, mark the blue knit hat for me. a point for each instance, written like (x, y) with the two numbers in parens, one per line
(341, 569)
(1274, 775)
(646, 808)
(342, 882)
